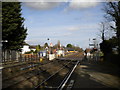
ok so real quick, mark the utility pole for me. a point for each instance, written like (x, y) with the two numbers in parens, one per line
(48, 49)
(96, 48)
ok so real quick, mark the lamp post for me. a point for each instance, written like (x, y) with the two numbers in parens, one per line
(48, 49)
(94, 40)
(96, 49)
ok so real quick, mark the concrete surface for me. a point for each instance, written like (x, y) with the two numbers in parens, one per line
(92, 74)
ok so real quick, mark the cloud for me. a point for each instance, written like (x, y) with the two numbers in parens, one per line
(81, 4)
(71, 4)
(73, 28)
(42, 5)
(82, 27)
(39, 0)
(67, 34)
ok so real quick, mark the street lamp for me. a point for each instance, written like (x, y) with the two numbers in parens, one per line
(4, 41)
(96, 49)
(94, 40)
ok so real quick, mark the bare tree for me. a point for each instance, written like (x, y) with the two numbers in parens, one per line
(112, 10)
(102, 30)
(105, 31)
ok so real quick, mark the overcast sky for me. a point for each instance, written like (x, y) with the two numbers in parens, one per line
(70, 22)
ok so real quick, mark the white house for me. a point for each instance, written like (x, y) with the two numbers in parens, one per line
(51, 56)
(25, 49)
(60, 53)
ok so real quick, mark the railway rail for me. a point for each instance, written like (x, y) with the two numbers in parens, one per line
(65, 80)
(29, 74)
(23, 63)
(22, 68)
(46, 72)
(60, 84)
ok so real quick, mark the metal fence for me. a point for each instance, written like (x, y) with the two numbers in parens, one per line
(16, 56)
(93, 57)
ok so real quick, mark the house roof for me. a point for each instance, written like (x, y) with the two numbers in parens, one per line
(71, 49)
(24, 43)
(32, 46)
(88, 49)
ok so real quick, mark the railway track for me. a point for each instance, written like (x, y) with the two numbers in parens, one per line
(67, 77)
(40, 75)
(22, 63)
(28, 75)
(22, 68)
(50, 82)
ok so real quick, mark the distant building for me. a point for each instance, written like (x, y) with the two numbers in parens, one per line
(25, 49)
(33, 48)
(88, 52)
(42, 53)
(60, 53)
(69, 50)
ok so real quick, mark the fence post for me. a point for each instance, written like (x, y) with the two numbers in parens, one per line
(20, 58)
(36, 57)
(28, 58)
(25, 58)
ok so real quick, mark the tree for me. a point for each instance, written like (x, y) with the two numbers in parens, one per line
(55, 46)
(58, 44)
(0, 22)
(102, 31)
(12, 25)
(77, 48)
(46, 45)
(106, 46)
(105, 31)
(103, 43)
(0, 14)
(112, 10)
(38, 47)
(69, 45)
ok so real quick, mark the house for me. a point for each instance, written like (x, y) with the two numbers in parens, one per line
(88, 52)
(60, 53)
(42, 53)
(25, 49)
(32, 48)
